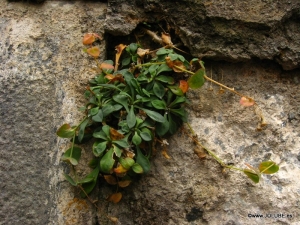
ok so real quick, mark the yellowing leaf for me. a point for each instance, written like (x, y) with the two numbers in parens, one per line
(110, 179)
(115, 198)
(166, 38)
(124, 183)
(246, 101)
(109, 76)
(120, 169)
(165, 154)
(93, 51)
(183, 85)
(268, 167)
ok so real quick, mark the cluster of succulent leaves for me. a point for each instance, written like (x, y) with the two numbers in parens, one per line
(129, 109)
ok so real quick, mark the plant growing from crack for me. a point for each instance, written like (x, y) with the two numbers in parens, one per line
(130, 109)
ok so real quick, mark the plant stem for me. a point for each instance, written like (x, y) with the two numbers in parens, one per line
(215, 82)
(211, 152)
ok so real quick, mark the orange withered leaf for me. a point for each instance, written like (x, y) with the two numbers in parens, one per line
(120, 169)
(90, 38)
(246, 101)
(93, 51)
(175, 65)
(106, 66)
(183, 85)
(115, 198)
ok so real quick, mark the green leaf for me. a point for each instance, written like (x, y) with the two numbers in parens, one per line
(93, 163)
(98, 117)
(163, 68)
(66, 131)
(181, 113)
(82, 129)
(165, 79)
(173, 56)
(162, 128)
(176, 90)
(126, 61)
(107, 109)
(107, 161)
(159, 104)
(72, 155)
(117, 151)
(146, 136)
(137, 168)
(70, 179)
(173, 127)
(106, 130)
(268, 167)
(87, 187)
(131, 119)
(86, 180)
(122, 99)
(143, 161)
(127, 162)
(101, 135)
(197, 80)
(136, 139)
(154, 115)
(164, 51)
(93, 111)
(99, 148)
(178, 100)
(152, 69)
(133, 47)
(123, 143)
(252, 175)
(136, 86)
(158, 89)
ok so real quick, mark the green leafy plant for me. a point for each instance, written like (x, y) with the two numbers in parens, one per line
(129, 109)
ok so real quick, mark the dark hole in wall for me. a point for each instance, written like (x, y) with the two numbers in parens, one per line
(140, 36)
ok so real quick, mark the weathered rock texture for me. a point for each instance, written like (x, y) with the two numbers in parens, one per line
(43, 73)
(234, 30)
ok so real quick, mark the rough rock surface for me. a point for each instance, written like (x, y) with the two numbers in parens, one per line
(43, 73)
(233, 30)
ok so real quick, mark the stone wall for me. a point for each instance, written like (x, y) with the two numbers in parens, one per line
(43, 73)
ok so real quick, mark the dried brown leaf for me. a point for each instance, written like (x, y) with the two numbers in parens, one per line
(119, 48)
(124, 183)
(166, 38)
(142, 52)
(115, 135)
(115, 198)
(110, 179)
